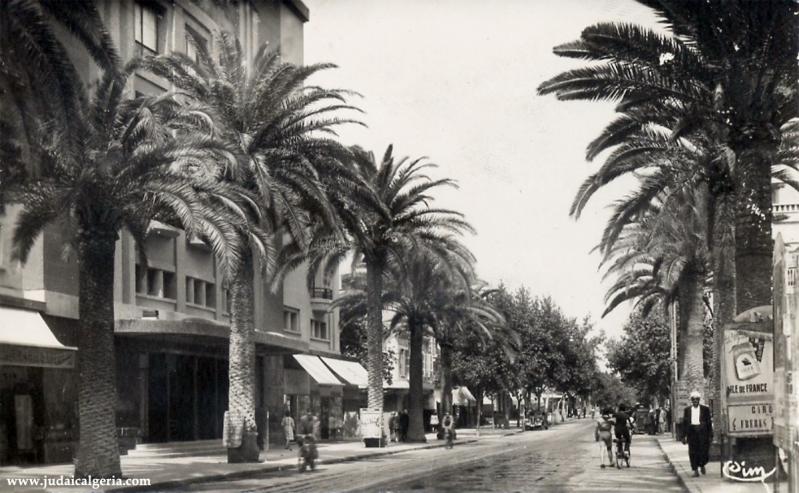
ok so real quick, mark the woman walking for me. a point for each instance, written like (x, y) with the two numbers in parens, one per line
(288, 429)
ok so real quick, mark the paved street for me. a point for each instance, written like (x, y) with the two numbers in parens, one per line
(562, 459)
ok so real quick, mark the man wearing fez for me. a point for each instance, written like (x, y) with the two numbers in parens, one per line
(698, 433)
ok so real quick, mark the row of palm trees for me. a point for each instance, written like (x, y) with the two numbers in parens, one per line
(706, 120)
(242, 155)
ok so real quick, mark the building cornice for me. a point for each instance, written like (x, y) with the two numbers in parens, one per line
(299, 8)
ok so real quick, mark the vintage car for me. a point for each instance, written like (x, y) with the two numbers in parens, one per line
(536, 420)
(641, 417)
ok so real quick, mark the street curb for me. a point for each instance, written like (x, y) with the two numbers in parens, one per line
(274, 467)
(674, 469)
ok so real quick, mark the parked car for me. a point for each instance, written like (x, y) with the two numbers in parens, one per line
(536, 420)
(641, 417)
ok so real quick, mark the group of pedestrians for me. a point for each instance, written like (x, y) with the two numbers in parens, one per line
(398, 426)
(697, 430)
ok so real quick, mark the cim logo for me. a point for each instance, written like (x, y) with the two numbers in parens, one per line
(737, 471)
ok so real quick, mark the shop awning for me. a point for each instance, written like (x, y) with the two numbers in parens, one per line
(462, 397)
(349, 371)
(26, 340)
(316, 369)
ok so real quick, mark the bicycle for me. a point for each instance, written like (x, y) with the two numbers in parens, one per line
(450, 436)
(621, 454)
(308, 453)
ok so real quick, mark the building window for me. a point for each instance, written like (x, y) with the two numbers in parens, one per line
(145, 28)
(155, 282)
(318, 329)
(193, 38)
(404, 362)
(291, 319)
(228, 302)
(200, 293)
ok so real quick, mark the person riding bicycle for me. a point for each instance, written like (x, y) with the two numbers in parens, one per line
(448, 425)
(305, 433)
(621, 427)
(604, 425)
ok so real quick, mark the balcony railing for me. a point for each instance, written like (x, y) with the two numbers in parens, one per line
(322, 293)
(784, 208)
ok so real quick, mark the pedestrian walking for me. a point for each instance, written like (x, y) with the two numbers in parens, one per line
(658, 421)
(404, 421)
(393, 427)
(699, 430)
(288, 429)
(603, 432)
(317, 428)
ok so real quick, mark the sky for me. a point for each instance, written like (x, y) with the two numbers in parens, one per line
(455, 80)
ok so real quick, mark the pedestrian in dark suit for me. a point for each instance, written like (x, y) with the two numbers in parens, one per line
(404, 421)
(699, 432)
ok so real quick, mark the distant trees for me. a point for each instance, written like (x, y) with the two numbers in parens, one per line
(550, 351)
(641, 356)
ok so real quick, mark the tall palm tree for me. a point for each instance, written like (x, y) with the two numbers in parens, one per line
(383, 222)
(413, 292)
(663, 257)
(120, 163)
(275, 128)
(727, 69)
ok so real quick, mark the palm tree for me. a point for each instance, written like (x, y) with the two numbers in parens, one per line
(728, 70)
(36, 76)
(463, 311)
(751, 49)
(119, 163)
(383, 221)
(274, 128)
(663, 257)
(413, 292)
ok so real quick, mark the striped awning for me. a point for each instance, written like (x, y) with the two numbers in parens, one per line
(26, 340)
(350, 372)
(316, 369)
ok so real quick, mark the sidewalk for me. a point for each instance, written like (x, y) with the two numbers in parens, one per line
(173, 472)
(677, 455)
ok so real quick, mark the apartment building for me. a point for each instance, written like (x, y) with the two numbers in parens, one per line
(172, 314)
(396, 393)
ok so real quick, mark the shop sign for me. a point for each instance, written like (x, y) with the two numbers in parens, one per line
(371, 423)
(751, 419)
(37, 356)
(749, 380)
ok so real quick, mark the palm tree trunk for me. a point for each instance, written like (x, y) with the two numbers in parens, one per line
(98, 450)
(415, 390)
(724, 293)
(692, 329)
(753, 246)
(241, 393)
(506, 404)
(446, 378)
(374, 334)
(753, 253)
(479, 396)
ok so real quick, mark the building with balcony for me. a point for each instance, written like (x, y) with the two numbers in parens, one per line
(396, 393)
(171, 315)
